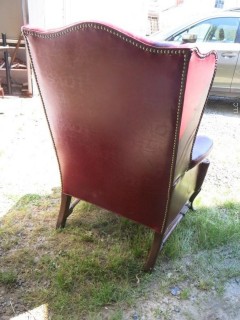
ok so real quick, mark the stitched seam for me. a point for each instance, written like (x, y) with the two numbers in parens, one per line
(176, 134)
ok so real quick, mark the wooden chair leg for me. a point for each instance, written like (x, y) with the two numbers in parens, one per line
(64, 210)
(202, 174)
(152, 256)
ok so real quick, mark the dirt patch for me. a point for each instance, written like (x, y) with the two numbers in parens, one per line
(202, 305)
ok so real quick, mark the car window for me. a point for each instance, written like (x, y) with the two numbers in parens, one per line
(212, 30)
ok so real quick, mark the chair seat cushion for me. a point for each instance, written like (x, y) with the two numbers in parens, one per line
(201, 149)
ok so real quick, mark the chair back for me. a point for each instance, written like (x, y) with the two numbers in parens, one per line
(114, 105)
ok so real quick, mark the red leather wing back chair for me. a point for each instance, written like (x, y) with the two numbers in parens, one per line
(124, 114)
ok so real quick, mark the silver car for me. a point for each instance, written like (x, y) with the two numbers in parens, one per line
(221, 32)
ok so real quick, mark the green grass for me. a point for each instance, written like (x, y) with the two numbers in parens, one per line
(8, 277)
(91, 263)
(96, 261)
(205, 229)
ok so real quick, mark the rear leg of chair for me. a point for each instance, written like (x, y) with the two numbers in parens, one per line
(203, 168)
(153, 254)
(64, 211)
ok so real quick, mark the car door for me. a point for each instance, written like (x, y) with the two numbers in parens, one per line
(235, 86)
(219, 34)
(223, 35)
(228, 55)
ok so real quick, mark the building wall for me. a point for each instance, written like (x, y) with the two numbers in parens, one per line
(131, 15)
(11, 18)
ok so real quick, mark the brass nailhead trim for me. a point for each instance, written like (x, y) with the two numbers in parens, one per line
(174, 151)
(82, 26)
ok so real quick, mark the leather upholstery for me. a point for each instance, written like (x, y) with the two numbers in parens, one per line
(123, 114)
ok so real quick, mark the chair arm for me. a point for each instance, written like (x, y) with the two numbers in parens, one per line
(201, 150)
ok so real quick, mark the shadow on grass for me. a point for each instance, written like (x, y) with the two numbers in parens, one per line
(96, 261)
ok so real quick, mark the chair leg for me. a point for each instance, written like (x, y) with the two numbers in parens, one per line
(64, 210)
(152, 257)
(201, 176)
(160, 239)
(192, 198)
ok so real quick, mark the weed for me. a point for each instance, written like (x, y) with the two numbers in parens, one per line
(185, 294)
(28, 199)
(205, 284)
(8, 277)
(158, 313)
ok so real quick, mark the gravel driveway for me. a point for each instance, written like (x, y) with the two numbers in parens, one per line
(221, 122)
(27, 159)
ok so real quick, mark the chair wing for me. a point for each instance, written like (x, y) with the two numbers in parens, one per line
(119, 109)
